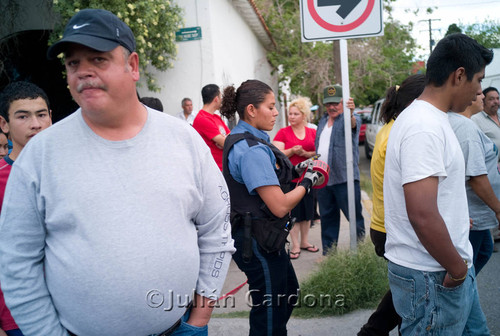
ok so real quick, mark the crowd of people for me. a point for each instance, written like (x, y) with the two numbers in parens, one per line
(122, 220)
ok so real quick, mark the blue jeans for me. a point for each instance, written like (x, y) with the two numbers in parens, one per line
(331, 200)
(185, 329)
(189, 330)
(482, 245)
(428, 308)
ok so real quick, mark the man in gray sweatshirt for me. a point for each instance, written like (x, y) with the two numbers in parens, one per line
(116, 219)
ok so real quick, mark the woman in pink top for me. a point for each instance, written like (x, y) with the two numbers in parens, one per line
(297, 142)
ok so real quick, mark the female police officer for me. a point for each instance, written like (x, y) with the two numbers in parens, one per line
(257, 174)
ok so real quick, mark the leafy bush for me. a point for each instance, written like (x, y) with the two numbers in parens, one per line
(153, 22)
(345, 281)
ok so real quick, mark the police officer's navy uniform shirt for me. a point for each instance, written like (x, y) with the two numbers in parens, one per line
(253, 166)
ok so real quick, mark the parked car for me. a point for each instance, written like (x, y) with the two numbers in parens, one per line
(373, 128)
(366, 117)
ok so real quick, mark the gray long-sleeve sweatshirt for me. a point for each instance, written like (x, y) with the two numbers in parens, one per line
(112, 237)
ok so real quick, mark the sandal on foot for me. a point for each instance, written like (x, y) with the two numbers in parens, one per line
(294, 255)
(310, 248)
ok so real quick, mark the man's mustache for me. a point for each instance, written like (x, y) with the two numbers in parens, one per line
(90, 85)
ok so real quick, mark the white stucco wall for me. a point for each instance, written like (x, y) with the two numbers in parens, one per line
(228, 53)
(492, 72)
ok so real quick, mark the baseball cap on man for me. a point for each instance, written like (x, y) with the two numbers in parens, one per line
(98, 29)
(332, 94)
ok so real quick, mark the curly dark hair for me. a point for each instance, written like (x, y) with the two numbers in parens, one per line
(250, 92)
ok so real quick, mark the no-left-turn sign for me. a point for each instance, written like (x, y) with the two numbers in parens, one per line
(336, 19)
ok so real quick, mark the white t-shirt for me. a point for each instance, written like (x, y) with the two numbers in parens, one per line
(313, 126)
(481, 157)
(423, 144)
(324, 142)
(190, 118)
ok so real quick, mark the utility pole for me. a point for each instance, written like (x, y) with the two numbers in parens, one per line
(431, 41)
(337, 70)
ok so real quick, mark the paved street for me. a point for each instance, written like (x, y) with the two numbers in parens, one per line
(364, 163)
(488, 283)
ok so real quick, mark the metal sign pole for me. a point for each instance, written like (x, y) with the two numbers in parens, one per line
(348, 143)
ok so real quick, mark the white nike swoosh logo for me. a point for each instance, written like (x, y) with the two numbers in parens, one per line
(80, 26)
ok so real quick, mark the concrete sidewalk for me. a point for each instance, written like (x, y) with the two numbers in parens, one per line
(348, 324)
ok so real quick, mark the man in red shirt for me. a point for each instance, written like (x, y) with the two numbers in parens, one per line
(210, 125)
(24, 112)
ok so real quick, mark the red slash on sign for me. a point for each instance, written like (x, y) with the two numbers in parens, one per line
(346, 6)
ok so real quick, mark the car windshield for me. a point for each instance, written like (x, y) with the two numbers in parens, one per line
(366, 116)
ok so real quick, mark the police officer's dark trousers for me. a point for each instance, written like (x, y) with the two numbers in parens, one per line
(273, 286)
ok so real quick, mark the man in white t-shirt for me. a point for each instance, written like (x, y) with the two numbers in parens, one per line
(187, 111)
(426, 214)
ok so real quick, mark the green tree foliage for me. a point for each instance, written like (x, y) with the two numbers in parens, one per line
(453, 28)
(153, 22)
(377, 63)
(374, 63)
(486, 33)
(307, 66)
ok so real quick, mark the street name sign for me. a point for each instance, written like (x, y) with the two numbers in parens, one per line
(188, 34)
(340, 19)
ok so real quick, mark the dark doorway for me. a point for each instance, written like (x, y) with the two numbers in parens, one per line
(23, 57)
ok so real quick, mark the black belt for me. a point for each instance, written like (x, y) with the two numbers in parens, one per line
(167, 332)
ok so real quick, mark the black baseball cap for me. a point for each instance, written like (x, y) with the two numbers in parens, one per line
(98, 29)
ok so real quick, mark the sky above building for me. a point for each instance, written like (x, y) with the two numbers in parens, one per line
(445, 12)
